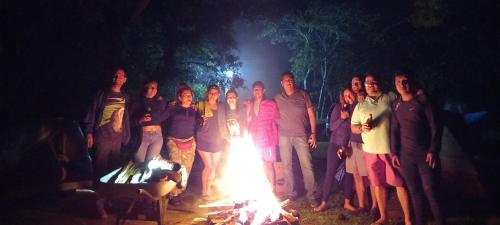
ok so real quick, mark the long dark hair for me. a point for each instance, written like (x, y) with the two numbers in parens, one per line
(341, 95)
(225, 102)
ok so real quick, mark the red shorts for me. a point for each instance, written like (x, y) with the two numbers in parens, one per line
(380, 170)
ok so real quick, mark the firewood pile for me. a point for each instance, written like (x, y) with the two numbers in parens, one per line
(242, 214)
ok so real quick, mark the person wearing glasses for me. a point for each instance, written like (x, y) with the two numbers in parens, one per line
(371, 119)
(415, 144)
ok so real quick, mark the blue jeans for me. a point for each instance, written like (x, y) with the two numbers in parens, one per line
(150, 146)
(302, 148)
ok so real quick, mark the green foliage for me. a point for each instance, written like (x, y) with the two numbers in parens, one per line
(173, 42)
(318, 37)
(428, 13)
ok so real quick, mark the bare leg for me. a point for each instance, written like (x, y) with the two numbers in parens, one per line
(207, 170)
(405, 203)
(348, 205)
(360, 190)
(381, 196)
(215, 157)
(373, 197)
(271, 176)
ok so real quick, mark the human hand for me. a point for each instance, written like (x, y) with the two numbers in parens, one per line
(429, 159)
(204, 120)
(361, 98)
(90, 140)
(395, 161)
(344, 114)
(145, 118)
(340, 153)
(366, 127)
(312, 141)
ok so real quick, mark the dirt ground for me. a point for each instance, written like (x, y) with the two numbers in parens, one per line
(465, 201)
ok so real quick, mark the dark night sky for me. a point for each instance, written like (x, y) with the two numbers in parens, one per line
(261, 60)
(55, 54)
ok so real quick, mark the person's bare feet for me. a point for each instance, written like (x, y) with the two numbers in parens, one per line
(322, 207)
(380, 221)
(348, 206)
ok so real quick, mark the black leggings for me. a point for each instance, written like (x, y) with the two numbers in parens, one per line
(419, 177)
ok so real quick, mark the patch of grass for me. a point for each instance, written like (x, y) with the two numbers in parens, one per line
(334, 215)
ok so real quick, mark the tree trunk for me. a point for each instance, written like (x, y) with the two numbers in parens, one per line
(305, 78)
(321, 103)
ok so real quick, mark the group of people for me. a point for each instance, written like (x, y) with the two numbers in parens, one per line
(384, 140)
(205, 127)
(378, 135)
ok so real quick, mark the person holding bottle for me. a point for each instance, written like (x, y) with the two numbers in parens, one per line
(338, 150)
(371, 119)
(147, 114)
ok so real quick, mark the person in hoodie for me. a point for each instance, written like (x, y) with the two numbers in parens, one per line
(107, 129)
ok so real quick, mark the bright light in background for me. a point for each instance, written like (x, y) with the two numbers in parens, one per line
(229, 73)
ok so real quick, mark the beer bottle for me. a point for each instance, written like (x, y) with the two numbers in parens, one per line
(369, 121)
(148, 112)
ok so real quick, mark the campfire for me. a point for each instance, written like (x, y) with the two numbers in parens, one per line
(249, 195)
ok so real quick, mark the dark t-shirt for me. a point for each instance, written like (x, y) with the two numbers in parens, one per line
(413, 127)
(181, 122)
(153, 106)
(236, 121)
(208, 137)
(294, 118)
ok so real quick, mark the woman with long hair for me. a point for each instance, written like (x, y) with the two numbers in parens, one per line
(147, 114)
(340, 125)
(211, 138)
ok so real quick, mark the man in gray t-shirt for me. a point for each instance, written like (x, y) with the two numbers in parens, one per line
(296, 114)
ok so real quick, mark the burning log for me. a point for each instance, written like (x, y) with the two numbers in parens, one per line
(232, 216)
(252, 201)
